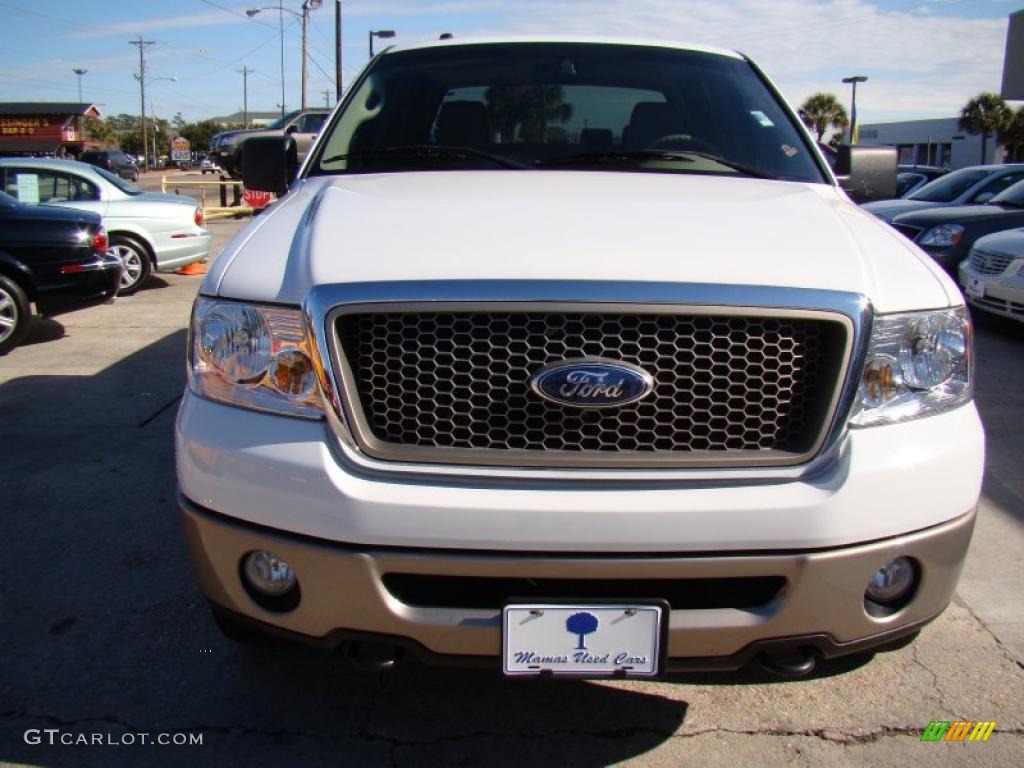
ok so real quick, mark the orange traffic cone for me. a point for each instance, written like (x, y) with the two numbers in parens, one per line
(196, 268)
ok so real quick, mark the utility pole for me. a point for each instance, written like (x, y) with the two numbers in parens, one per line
(337, 51)
(141, 77)
(245, 93)
(327, 97)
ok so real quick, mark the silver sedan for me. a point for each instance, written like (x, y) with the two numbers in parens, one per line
(148, 231)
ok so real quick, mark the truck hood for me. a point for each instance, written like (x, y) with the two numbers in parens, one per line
(573, 225)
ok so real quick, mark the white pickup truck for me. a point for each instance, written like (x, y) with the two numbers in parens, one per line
(574, 358)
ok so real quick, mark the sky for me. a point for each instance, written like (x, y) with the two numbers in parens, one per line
(924, 58)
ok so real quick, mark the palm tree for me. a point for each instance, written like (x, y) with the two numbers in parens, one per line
(986, 114)
(1013, 137)
(822, 110)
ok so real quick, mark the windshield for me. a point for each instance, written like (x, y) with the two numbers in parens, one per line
(1010, 196)
(949, 187)
(124, 185)
(282, 121)
(565, 106)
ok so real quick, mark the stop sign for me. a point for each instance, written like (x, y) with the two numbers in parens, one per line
(256, 198)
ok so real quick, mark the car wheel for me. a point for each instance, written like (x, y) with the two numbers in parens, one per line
(15, 314)
(135, 261)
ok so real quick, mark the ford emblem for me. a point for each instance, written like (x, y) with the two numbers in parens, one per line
(592, 383)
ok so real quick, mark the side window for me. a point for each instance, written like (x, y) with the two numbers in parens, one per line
(83, 189)
(312, 123)
(33, 186)
(995, 186)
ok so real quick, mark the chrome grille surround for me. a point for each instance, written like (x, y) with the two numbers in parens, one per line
(327, 304)
(986, 263)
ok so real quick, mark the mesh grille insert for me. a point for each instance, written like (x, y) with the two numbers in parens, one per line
(462, 380)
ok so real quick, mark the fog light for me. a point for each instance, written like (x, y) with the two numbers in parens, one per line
(268, 574)
(892, 582)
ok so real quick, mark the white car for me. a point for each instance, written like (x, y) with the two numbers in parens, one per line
(573, 358)
(209, 166)
(993, 275)
(148, 230)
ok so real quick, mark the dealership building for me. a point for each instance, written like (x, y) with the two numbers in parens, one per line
(940, 141)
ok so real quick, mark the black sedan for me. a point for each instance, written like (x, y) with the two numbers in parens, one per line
(56, 257)
(947, 234)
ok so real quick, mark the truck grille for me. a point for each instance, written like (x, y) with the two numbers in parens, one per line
(989, 263)
(455, 387)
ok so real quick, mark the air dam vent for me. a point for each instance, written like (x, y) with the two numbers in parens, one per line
(492, 593)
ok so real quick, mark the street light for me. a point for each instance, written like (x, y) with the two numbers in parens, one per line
(303, 16)
(381, 33)
(145, 149)
(853, 80)
(79, 71)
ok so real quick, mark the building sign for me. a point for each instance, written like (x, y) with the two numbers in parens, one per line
(21, 126)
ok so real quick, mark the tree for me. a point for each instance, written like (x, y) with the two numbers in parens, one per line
(985, 114)
(581, 624)
(1013, 137)
(101, 131)
(822, 110)
(199, 133)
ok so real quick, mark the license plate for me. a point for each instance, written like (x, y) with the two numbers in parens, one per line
(975, 288)
(601, 640)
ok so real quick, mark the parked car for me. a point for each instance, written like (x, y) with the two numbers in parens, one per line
(993, 275)
(302, 126)
(207, 165)
(148, 230)
(573, 420)
(947, 234)
(977, 184)
(54, 257)
(911, 178)
(113, 161)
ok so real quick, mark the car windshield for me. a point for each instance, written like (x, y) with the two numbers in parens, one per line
(949, 187)
(282, 121)
(7, 201)
(124, 185)
(1013, 196)
(906, 182)
(566, 106)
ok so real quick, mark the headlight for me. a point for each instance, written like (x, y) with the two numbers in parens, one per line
(918, 364)
(253, 356)
(942, 236)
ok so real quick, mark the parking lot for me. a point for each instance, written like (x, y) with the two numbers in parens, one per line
(105, 631)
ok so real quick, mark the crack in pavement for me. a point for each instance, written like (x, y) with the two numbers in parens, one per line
(1010, 655)
(935, 682)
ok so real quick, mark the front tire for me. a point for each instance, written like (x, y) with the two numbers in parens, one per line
(15, 314)
(137, 266)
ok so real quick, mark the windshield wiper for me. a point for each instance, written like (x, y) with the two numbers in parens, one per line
(428, 151)
(627, 156)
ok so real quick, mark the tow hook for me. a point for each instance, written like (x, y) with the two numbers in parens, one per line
(796, 662)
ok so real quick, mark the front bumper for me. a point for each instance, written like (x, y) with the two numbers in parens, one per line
(1004, 295)
(344, 593)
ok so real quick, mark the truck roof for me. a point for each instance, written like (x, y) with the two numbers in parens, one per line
(593, 40)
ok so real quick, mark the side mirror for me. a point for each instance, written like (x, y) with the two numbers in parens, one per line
(867, 173)
(293, 128)
(265, 163)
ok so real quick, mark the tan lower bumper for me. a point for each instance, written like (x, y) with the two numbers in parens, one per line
(342, 587)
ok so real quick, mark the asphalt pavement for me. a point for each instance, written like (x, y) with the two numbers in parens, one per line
(104, 634)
